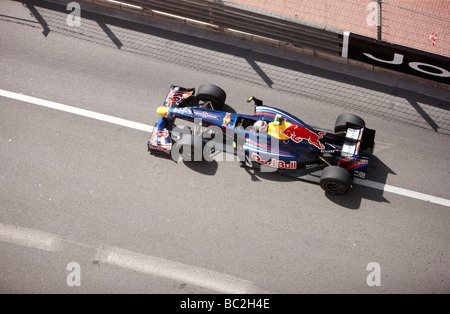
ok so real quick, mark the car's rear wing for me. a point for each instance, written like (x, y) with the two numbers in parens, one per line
(356, 150)
(352, 142)
(358, 141)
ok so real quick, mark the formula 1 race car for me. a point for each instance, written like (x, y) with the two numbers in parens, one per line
(270, 139)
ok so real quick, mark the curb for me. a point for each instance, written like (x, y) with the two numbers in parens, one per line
(265, 45)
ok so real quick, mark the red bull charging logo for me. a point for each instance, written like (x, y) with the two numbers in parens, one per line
(274, 163)
(298, 133)
(226, 120)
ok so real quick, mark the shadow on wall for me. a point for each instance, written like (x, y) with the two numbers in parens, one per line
(296, 78)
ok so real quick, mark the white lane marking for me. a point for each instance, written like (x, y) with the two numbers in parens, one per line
(30, 238)
(176, 271)
(403, 192)
(115, 256)
(148, 128)
(77, 111)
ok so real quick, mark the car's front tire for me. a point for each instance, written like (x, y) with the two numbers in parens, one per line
(212, 96)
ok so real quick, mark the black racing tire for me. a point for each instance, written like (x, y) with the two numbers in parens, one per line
(343, 119)
(213, 96)
(188, 148)
(336, 180)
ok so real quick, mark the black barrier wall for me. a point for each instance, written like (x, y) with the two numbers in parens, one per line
(398, 58)
(221, 16)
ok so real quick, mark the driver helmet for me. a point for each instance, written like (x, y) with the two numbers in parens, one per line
(261, 126)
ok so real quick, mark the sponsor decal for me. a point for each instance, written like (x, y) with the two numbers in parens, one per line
(433, 38)
(298, 133)
(158, 141)
(227, 119)
(359, 174)
(353, 163)
(274, 163)
(176, 96)
(399, 58)
(162, 149)
(206, 115)
(162, 134)
(182, 111)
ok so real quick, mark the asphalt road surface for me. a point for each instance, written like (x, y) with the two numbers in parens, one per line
(84, 208)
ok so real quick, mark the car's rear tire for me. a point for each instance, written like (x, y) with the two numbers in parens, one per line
(348, 119)
(212, 96)
(336, 180)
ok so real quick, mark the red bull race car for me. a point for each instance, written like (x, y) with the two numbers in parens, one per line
(270, 139)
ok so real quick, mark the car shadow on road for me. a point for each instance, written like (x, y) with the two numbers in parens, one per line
(378, 172)
(207, 168)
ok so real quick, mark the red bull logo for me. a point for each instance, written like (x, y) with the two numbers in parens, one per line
(298, 133)
(226, 120)
(274, 163)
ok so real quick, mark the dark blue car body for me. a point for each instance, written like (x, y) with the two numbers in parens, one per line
(288, 145)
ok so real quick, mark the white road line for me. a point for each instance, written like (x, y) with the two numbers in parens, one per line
(115, 256)
(176, 271)
(403, 192)
(30, 238)
(148, 128)
(77, 111)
